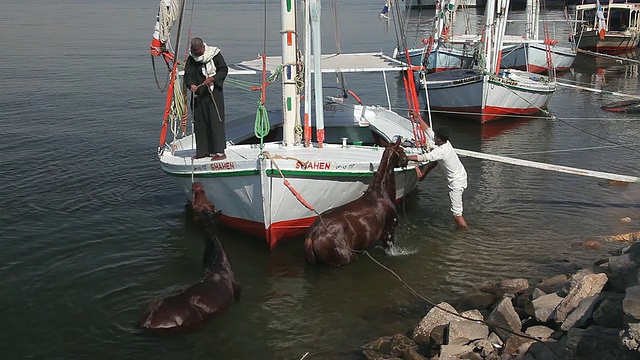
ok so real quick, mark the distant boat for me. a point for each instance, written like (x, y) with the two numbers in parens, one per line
(437, 52)
(488, 93)
(609, 28)
(529, 53)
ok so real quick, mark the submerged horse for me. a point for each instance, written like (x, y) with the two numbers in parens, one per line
(216, 290)
(361, 223)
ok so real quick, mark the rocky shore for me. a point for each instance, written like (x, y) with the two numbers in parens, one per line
(591, 314)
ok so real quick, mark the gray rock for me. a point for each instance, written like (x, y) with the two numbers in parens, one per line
(412, 354)
(624, 271)
(631, 302)
(374, 355)
(579, 316)
(513, 286)
(400, 343)
(552, 284)
(540, 332)
(451, 352)
(609, 313)
(545, 306)
(595, 342)
(381, 344)
(476, 300)
(630, 337)
(537, 293)
(504, 320)
(589, 285)
(440, 314)
(462, 332)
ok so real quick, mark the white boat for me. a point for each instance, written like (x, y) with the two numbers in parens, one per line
(530, 53)
(275, 190)
(609, 28)
(489, 93)
(532, 57)
(437, 53)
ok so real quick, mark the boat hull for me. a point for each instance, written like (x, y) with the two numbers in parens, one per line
(613, 42)
(440, 59)
(278, 196)
(533, 57)
(480, 97)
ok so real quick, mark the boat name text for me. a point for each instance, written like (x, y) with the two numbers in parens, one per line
(314, 165)
(222, 166)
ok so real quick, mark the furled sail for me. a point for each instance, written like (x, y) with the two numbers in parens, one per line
(168, 14)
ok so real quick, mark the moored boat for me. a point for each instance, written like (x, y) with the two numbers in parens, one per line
(275, 190)
(608, 28)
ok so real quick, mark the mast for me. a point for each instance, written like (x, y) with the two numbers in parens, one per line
(315, 11)
(290, 98)
(307, 75)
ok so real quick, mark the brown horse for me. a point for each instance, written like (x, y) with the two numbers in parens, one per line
(361, 223)
(214, 293)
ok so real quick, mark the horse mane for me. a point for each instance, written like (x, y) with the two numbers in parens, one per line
(383, 177)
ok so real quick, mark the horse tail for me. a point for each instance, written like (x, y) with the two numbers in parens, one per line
(308, 249)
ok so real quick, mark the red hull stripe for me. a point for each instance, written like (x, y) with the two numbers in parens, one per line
(490, 112)
(282, 230)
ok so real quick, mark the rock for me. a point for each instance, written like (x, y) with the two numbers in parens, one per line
(485, 347)
(476, 300)
(582, 313)
(624, 271)
(631, 302)
(552, 284)
(625, 220)
(374, 355)
(517, 345)
(513, 286)
(451, 352)
(504, 317)
(545, 306)
(382, 344)
(462, 331)
(400, 343)
(537, 293)
(630, 336)
(590, 285)
(440, 314)
(539, 332)
(609, 313)
(438, 335)
(628, 237)
(595, 342)
(412, 354)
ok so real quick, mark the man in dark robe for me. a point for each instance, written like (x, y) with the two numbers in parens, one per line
(204, 74)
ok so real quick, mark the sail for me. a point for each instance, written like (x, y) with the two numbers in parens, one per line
(168, 14)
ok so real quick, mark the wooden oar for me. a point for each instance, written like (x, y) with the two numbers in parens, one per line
(545, 166)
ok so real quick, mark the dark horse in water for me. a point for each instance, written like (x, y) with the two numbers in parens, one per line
(361, 223)
(216, 290)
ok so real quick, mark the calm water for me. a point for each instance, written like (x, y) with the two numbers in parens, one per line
(92, 230)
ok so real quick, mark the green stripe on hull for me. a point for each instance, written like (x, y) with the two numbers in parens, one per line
(285, 173)
(217, 174)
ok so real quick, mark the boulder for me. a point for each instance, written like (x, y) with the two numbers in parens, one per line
(545, 306)
(587, 286)
(504, 320)
(440, 314)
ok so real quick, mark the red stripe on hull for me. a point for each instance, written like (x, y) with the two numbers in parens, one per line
(490, 113)
(283, 230)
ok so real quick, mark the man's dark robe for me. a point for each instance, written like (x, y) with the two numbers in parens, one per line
(208, 107)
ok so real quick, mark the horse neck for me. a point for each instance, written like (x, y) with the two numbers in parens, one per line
(213, 251)
(384, 179)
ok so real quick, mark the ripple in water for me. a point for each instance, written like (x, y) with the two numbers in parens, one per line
(397, 250)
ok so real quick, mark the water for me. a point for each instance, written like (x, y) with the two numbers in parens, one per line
(92, 230)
